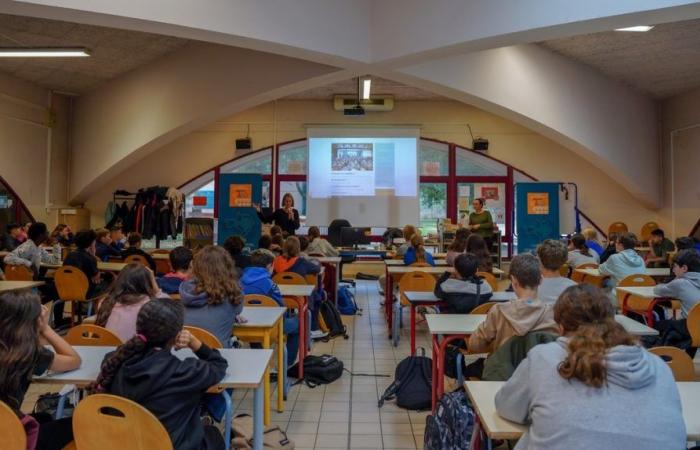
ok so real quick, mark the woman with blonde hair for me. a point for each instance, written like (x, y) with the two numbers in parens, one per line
(592, 240)
(416, 252)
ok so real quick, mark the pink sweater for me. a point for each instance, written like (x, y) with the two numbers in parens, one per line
(122, 320)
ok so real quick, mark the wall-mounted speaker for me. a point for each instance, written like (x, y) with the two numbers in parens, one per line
(480, 144)
(244, 144)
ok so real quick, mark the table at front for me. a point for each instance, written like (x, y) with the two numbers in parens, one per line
(246, 370)
(6, 286)
(483, 397)
(299, 295)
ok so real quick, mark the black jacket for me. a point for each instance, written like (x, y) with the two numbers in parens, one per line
(8, 243)
(280, 218)
(461, 296)
(172, 389)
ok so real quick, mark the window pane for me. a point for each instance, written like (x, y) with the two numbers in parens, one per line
(298, 191)
(293, 158)
(471, 164)
(433, 205)
(258, 162)
(200, 203)
(7, 208)
(265, 194)
(493, 193)
(434, 159)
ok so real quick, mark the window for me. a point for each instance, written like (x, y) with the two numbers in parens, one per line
(433, 205)
(298, 191)
(11, 209)
(199, 196)
(475, 165)
(434, 159)
(293, 158)
(257, 162)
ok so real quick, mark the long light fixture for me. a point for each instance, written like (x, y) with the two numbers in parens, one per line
(366, 86)
(44, 52)
(637, 28)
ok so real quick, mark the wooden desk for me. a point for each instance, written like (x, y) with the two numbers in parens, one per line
(296, 290)
(640, 291)
(332, 263)
(299, 294)
(110, 266)
(645, 300)
(263, 322)
(246, 369)
(6, 286)
(399, 262)
(164, 256)
(651, 271)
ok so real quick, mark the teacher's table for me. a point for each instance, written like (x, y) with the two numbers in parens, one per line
(262, 325)
(246, 369)
(6, 286)
(298, 295)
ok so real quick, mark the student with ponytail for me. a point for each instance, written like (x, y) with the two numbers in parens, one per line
(579, 253)
(416, 252)
(144, 370)
(595, 387)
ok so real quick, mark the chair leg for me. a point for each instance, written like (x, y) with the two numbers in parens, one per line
(460, 374)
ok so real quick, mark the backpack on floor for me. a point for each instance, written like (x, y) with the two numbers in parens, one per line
(273, 437)
(452, 425)
(330, 321)
(412, 384)
(346, 302)
(318, 370)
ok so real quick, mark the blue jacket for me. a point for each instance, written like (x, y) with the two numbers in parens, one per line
(169, 285)
(257, 280)
(410, 257)
(104, 251)
(216, 319)
(593, 245)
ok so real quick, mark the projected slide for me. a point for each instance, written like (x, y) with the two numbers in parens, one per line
(352, 169)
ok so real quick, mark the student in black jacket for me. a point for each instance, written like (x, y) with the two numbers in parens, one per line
(463, 290)
(10, 240)
(144, 370)
(134, 248)
(83, 257)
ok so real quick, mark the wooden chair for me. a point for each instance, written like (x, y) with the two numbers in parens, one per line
(617, 227)
(139, 259)
(483, 308)
(259, 300)
(108, 422)
(693, 324)
(680, 363)
(411, 281)
(92, 335)
(645, 233)
(629, 302)
(18, 273)
(204, 336)
(581, 278)
(565, 271)
(72, 286)
(490, 279)
(12, 434)
(289, 278)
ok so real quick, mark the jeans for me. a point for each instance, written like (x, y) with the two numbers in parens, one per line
(291, 329)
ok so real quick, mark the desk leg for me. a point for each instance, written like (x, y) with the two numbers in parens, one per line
(433, 385)
(302, 339)
(228, 418)
(266, 400)
(413, 329)
(389, 300)
(281, 366)
(336, 269)
(440, 385)
(258, 418)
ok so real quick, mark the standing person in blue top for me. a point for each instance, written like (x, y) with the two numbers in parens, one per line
(416, 252)
(286, 217)
(256, 279)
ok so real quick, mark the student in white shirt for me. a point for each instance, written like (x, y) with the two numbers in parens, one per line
(319, 245)
(579, 253)
(552, 255)
(30, 254)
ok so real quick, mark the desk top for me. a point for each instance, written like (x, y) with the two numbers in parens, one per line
(111, 266)
(164, 256)
(327, 259)
(651, 271)
(246, 367)
(641, 291)
(634, 327)
(296, 290)
(428, 269)
(417, 296)
(6, 286)
(399, 262)
(260, 316)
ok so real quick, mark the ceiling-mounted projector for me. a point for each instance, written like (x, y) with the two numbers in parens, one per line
(354, 111)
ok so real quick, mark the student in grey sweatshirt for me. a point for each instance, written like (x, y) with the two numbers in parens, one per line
(686, 286)
(552, 255)
(625, 262)
(593, 388)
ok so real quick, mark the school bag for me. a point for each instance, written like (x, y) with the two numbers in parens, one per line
(412, 384)
(346, 302)
(273, 437)
(330, 321)
(452, 425)
(318, 370)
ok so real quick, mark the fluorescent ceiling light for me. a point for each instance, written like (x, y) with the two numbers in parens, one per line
(44, 52)
(366, 86)
(637, 28)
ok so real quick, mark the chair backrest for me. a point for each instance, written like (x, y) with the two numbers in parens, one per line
(108, 422)
(334, 229)
(12, 434)
(18, 273)
(693, 324)
(638, 279)
(483, 308)
(565, 271)
(618, 227)
(259, 300)
(490, 279)
(93, 335)
(647, 228)
(579, 277)
(163, 251)
(634, 302)
(71, 283)
(204, 336)
(678, 360)
(140, 259)
(162, 265)
(415, 281)
(289, 278)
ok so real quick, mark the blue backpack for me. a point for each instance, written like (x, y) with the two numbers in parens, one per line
(346, 302)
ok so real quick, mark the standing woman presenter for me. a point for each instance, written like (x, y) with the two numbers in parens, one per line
(286, 217)
(481, 222)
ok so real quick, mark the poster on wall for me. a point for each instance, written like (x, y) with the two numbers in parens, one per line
(240, 195)
(489, 192)
(538, 203)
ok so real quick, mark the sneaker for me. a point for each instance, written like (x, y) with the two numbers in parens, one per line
(318, 334)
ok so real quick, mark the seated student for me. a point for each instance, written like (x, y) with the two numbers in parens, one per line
(256, 279)
(586, 390)
(277, 244)
(24, 333)
(144, 370)
(592, 241)
(610, 248)
(408, 232)
(134, 248)
(276, 230)
(462, 290)
(234, 245)
(684, 242)
(265, 242)
(686, 286)
(83, 257)
(180, 262)
(579, 253)
(103, 247)
(476, 245)
(318, 245)
(552, 255)
(516, 317)
(30, 254)
(660, 246)
(458, 246)
(303, 246)
(10, 240)
(416, 252)
(24, 232)
(134, 286)
(625, 262)
(212, 298)
(118, 239)
(63, 234)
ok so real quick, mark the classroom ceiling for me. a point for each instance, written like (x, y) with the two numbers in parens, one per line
(379, 86)
(114, 52)
(662, 62)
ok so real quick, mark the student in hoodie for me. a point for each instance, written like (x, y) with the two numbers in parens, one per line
(458, 246)
(585, 390)
(416, 252)
(134, 287)
(517, 317)
(144, 370)
(319, 245)
(180, 262)
(660, 246)
(579, 253)
(552, 255)
(686, 286)
(103, 247)
(234, 245)
(134, 248)
(625, 262)
(256, 279)
(463, 290)
(212, 297)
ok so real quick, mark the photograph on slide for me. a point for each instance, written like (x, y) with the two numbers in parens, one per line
(352, 157)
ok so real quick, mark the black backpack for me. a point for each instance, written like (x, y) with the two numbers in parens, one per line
(412, 384)
(330, 321)
(322, 369)
(452, 425)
